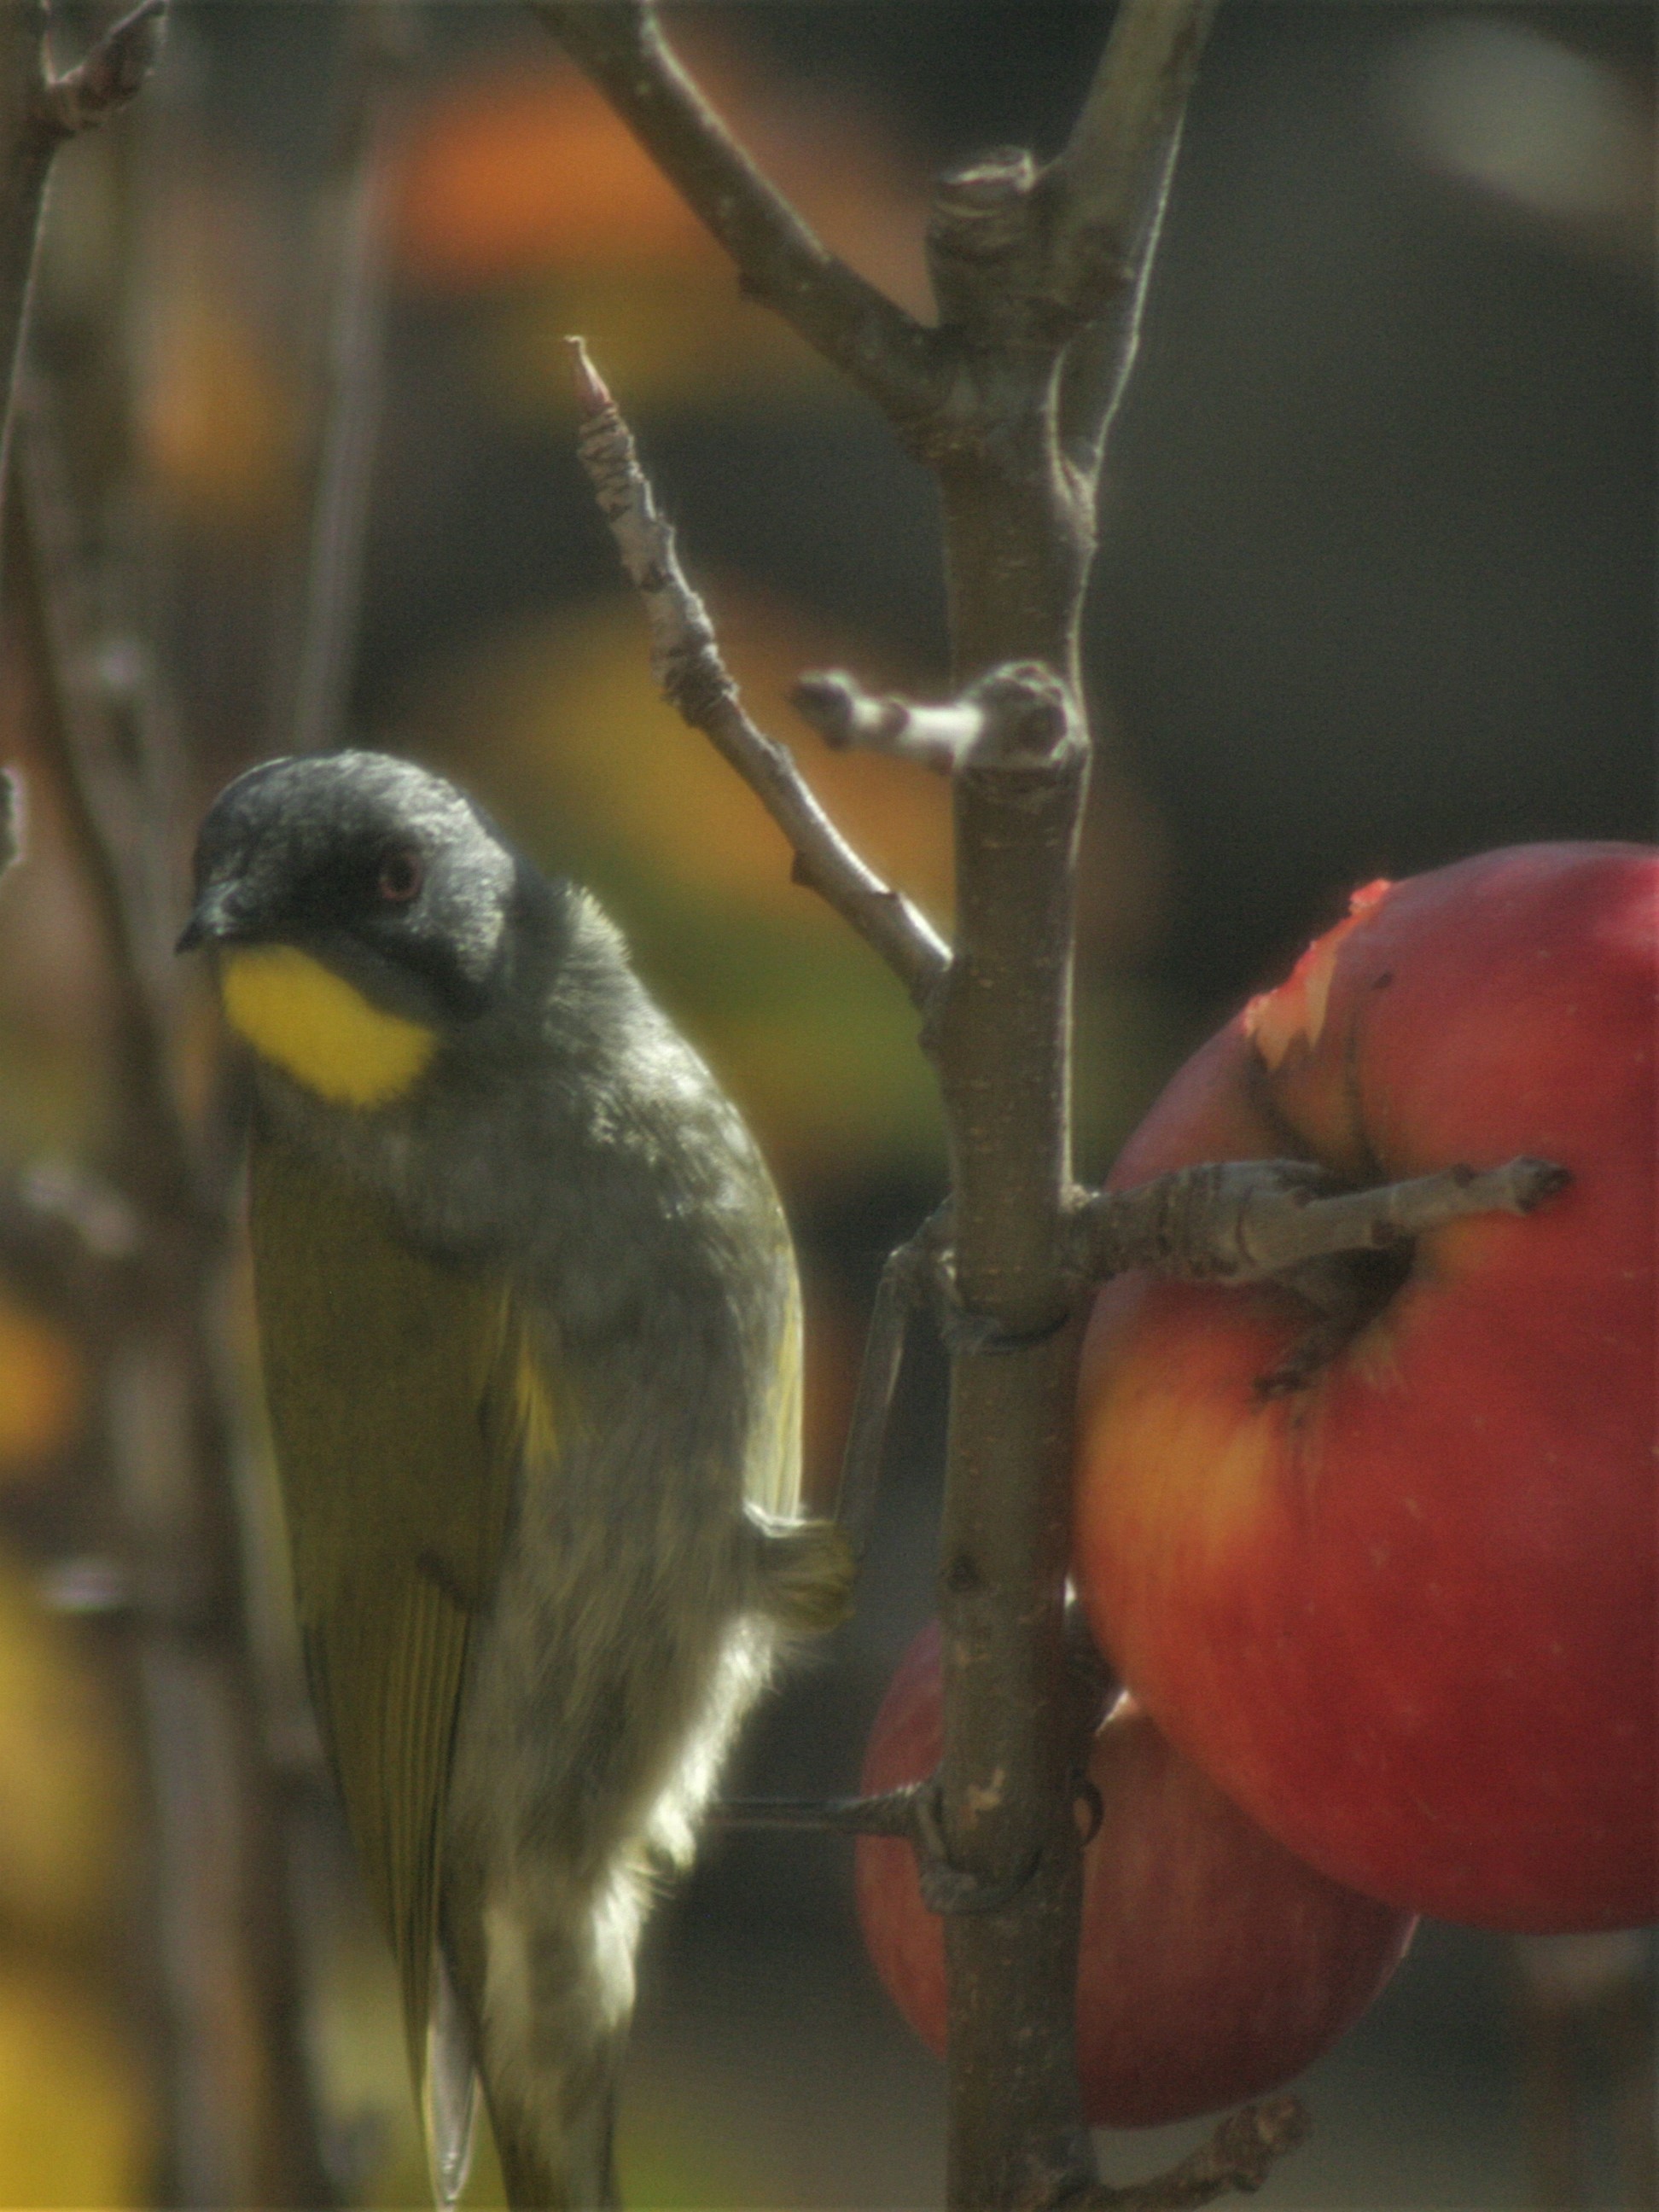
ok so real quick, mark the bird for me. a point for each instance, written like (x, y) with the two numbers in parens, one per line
(530, 1327)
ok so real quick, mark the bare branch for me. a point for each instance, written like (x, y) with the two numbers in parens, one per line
(11, 818)
(1100, 358)
(892, 1813)
(350, 394)
(1016, 717)
(27, 146)
(619, 45)
(1021, 275)
(1239, 2156)
(905, 1280)
(107, 812)
(112, 74)
(686, 662)
(1244, 1220)
(1112, 185)
(37, 113)
(1116, 163)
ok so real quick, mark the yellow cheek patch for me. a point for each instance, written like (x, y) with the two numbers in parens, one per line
(314, 1026)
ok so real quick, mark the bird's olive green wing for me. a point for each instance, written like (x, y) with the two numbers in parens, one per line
(397, 1397)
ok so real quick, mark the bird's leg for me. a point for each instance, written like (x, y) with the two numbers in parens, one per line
(806, 1569)
(906, 1285)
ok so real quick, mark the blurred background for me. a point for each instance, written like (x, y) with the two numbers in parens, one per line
(1376, 590)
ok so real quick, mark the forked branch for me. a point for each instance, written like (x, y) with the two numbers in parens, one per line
(685, 659)
(874, 342)
(1022, 278)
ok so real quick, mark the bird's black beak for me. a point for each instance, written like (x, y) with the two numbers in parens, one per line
(213, 917)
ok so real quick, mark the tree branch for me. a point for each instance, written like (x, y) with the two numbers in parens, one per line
(891, 1813)
(11, 819)
(1114, 168)
(37, 113)
(685, 660)
(110, 812)
(1239, 2156)
(1243, 1221)
(977, 399)
(349, 384)
(619, 46)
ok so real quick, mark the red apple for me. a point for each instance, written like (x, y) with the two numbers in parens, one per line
(1405, 1615)
(1213, 1965)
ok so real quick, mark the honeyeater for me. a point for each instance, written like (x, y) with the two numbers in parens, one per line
(531, 1337)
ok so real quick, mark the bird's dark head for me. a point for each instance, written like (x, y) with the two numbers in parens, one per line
(359, 909)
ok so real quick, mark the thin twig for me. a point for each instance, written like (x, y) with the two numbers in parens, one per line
(11, 818)
(37, 113)
(1113, 182)
(906, 1281)
(1017, 717)
(1238, 2156)
(1115, 167)
(686, 662)
(349, 386)
(619, 45)
(1100, 358)
(106, 808)
(1241, 1221)
(891, 1813)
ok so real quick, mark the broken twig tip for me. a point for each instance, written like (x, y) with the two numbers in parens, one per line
(1537, 1180)
(112, 74)
(593, 396)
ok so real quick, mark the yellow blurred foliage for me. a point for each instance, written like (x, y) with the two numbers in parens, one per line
(42, 1391)
(528, 168)
(520, 171)
(75, 2123)
(65, 1814)
(216, 422)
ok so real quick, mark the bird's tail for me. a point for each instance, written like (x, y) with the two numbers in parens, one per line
(558, 1998)
(449, 2087)
(570, 2167)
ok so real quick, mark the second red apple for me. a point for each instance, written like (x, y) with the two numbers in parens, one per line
(1213, 1966)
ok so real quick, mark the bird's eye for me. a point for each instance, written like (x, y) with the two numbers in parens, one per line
(400, 877)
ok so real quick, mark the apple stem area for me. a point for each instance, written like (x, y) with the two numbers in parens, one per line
(1344, 1252)
(1246, 1221)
